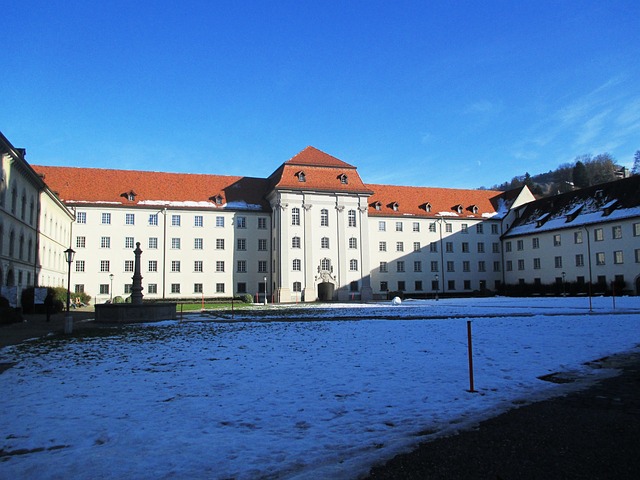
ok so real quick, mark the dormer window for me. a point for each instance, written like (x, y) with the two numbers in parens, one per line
(573, 213)
(473, 209)
(217, 199)
(458, 208)
(343, 179)
(599, 193)
(394, 206)
(130, 195)
(543, 218)
(427, 207)
(609, 207)
(301, 176)
(377, 206)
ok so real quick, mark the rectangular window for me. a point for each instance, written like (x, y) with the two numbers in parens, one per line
(399, 246)
(557, 241)
(297, 286)
(637, 252)
(480, 247)
(220, 266)
(198, 243)
(401, 286)
(466, 266)
(152, 288)
(417, 266)
(241, 244)
(175, 222)
(448, 228)
(242, 266)
(353, 242)
(450, 266)
(220, 287)
(295, 242)
(451, 284)
(465, 247)
(81, 217)
(295, 216)
(106, 218)
(197, 266)
(219, 243)
(153, 265)
(577, 237)
(153, 243)
(416, 246)
(536, 264)
(482, 266)
(535, 242)
(353, 265)
(479, 228)
(636, 229)
(352, 218)
(198, 221)
(398, 226)
(262, 245)
(324, 242)
(262, 266)
(197, 288)
(383, 267)
(433, 247)
(296, 265)
(128, 265)
(79, 287)
(579, 260)
(520, 245)
(416, 226)
(262, 223)
(128, 242)
(241, 222)
(129, 218)
(219, 222)
(520, 264)
(384, 287)
(507, 246)
(557, 262)
(79, 265)
(128, 288)
(600, 258)
(104, 289)
(467, 284)
(175, 265)
(496, 266)
(382, 246)
(104, 265)
(617, 257)
(464, 228)
(495, 247)
(432, 227)
(175, 243)
(153, 219)
(509, 266)
(434, 266)
(105, 242)
(417, 286)
(449, 247)
(400, 266)
(382, 226)
(616, 232)
(598, 235)
(175, 288)
(494, 228)
(81, 242)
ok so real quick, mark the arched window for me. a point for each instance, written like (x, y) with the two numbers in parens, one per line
(324, 217)
(324, 242)
(297, 286)
(295, 242)
(353, 265)
(325, 264)
(23, 206)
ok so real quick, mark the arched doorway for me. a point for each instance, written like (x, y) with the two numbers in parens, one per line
(325, 291)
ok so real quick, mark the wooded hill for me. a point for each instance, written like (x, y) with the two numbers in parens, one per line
(586, 170)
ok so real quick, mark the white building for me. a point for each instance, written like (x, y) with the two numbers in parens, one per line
(312, 230)
(35, 227)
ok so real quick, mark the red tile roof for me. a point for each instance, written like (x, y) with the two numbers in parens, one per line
(314, 157)
(95, 185)
(413, 201)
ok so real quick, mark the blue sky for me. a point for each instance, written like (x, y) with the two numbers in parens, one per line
(437, 93)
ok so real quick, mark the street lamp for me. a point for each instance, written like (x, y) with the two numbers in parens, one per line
(111, 288)
(68, 320)
(564, 293)
(437, 287)
(265, 290)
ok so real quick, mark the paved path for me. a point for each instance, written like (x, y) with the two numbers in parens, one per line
(591, 434)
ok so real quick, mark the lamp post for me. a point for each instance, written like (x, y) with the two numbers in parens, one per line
(265, 290)
(437, 287)
(564, 292)
(68, 320)
(111, 288)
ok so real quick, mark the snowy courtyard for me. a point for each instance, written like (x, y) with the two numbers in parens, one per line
(291, 392)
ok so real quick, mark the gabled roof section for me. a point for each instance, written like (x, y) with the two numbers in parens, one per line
(322, 172)
(106, 186)
(413, 201)
(611, 201)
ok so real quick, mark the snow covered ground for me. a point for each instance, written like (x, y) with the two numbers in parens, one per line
(290, 399)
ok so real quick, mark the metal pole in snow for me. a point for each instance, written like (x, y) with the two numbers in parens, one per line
(471, 389)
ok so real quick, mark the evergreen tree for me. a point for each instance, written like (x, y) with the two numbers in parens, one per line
(580, 175)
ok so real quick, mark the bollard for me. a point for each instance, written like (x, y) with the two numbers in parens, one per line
(471, 389)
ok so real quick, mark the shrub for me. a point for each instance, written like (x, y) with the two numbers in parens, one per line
(118, 299)
(246, 298)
